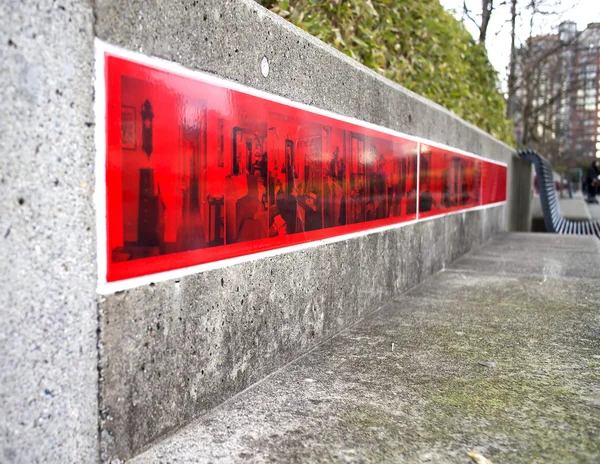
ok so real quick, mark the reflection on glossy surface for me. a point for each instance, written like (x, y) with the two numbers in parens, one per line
(198, 173)
(448, 181)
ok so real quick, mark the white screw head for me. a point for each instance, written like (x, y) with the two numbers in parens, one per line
(264, 66)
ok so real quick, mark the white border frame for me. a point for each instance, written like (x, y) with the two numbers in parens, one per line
(104, 287)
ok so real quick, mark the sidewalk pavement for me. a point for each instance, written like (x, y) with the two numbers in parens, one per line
(499, 353)
(575, 209)
(594, 210)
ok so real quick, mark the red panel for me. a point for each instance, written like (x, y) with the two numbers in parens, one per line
(494, 181)
(448, 181)
(197, 173)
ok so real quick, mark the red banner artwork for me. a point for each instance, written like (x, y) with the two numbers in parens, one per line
(200, 170)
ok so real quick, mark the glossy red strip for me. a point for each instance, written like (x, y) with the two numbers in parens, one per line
(197, 172)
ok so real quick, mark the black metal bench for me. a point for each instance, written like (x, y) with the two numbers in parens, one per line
(553, 219)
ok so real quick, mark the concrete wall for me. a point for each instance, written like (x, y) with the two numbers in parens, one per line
(48, 357)
(174, 350)
(520, 194)
(171, 351)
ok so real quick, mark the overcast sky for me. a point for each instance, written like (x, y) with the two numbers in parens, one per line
(498, 36)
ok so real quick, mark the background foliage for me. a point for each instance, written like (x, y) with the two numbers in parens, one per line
(415, 43)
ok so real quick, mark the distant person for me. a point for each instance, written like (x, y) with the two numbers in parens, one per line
(593, 181)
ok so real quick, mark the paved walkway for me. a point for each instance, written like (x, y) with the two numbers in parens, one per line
(499, 353)
(594, 211)
(575, 209)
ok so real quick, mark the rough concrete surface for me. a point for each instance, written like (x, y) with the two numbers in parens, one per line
(172, 351)
(520, 195)
(48, 358)
(508, 365)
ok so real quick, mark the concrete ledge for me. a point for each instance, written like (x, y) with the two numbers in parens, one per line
(168, 353)
(173, 351)
(412, 382)
(48, 357)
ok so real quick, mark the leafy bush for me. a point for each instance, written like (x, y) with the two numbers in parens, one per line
(415, 43)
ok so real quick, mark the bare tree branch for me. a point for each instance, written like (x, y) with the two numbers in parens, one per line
(466, 12)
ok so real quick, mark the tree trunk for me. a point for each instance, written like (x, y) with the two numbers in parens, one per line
(512, 67)
(486, 13)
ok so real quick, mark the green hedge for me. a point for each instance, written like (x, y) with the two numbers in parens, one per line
(415, 43)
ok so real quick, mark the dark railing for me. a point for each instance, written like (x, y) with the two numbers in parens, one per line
(553, 219)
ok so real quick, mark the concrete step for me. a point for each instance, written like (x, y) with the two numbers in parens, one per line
(496, 354)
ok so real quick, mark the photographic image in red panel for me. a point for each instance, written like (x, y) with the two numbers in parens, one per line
(379, 163)
(166, 204)
(448, 181)
(246, 197)
(501, 173)
(402, 181)
(494, 183)
(430, 173)
(197, 172)
(295, 175)
(471, 182)
(334, 180)
(390, 179)
(356, 204)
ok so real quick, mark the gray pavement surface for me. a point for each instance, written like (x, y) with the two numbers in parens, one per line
(500, 353)
(594, 210)
(571, 208)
